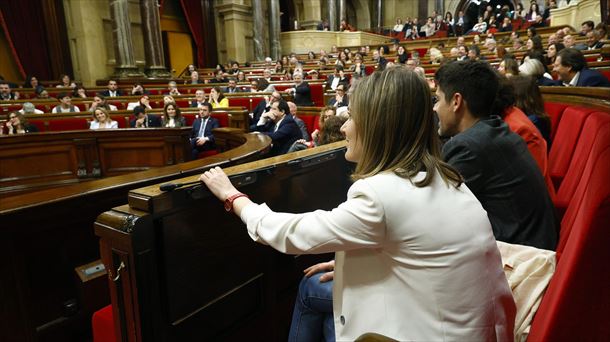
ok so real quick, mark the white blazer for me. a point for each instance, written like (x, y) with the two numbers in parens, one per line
(96, 125)
(411, 263)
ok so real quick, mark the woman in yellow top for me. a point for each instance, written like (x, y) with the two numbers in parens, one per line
(217, 99)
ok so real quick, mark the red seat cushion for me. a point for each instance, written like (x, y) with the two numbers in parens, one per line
(223, 118)
(71, 124)
(190, 118)
(241, 102)
(317, 94)
(103, 325)
(207, 153)
(309, 122)
(565, 141)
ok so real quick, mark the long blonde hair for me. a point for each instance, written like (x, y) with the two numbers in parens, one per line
(392, 112)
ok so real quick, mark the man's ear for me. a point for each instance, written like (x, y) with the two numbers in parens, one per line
(457, 102)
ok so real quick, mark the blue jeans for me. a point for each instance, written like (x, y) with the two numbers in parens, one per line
(312, 319)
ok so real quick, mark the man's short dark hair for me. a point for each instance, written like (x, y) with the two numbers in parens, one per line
(139, 109)
(574, 58)
(475, 48)
(282, 105)
(112, 79)
(589, 24)
(207, 104)
(62, 95)
(339, 67)
(476, 81)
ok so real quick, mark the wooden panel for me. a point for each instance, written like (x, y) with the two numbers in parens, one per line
(122, 157)
(180, 50)
(185, 249)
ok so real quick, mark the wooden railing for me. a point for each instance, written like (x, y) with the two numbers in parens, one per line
(46, 234)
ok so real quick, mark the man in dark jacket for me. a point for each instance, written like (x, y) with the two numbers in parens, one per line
(280, 127)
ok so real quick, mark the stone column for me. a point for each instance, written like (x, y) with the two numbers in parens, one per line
(379, 17)
(332, 15)
(237, 27)
(274, 29)
(342, 11)
(258, 30)
(312, 14)
(153, 47)
(125, 64)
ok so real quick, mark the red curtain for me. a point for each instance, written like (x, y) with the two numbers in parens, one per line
(23, 24)
(194, 18)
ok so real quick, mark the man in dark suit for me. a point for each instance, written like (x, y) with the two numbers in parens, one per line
(301, 91)
(263, 107)
(381, 61)
(494, 161)
(202, 137)
(338, 77)
(113, 89)
(232, 87)
(594, 40)
(340, 99)
(280, 127)
(199, 99)
(143, 120)
(571, 67)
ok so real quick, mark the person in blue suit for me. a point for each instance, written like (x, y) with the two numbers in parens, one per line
(571, 67)
(202, 137)
(279, 125)
(143, 120)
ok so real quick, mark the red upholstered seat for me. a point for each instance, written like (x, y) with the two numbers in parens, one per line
(40, 124)
(309, 122)
(122, 120)
(317, 94)
(255, 101)
(222, 117)
(240, 102)
(369, 69)
(103, 325)
(71, 124)
(190, 118)
(565, 140)
(182, 103)
(594, 138)
(81, 106)
(576, 305)
(554, 111)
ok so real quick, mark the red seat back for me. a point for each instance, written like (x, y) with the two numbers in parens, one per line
(317, 94)
(71, 124)
(595, 133)
(222, 117)
(576, 305)
(554, 111)
(241, 102)
(565, 140)
(309, 122)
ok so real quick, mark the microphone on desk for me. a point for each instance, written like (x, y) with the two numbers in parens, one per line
(173, 186)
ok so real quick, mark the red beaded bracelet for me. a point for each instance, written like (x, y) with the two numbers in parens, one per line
(229, 201)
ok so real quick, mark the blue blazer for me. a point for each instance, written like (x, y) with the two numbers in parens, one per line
(287, 133)
(212, 123)
(592, 78)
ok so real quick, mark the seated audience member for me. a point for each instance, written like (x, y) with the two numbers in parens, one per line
(194, 78)
(168, 99)
(263, 107)
(99, 101)
(301, 91)
(462, 53)
(529, 99)
(262, 85)
(493, 160)
(300, 123)
(66, 82)
(5, 92)
(517, 45)
(410, 238)
(113, 89)
(199, 99)
(517, 121)
(279, 125)
(323, 26)
(508, 67)
(340, 99)
(202, 136)
(32, 82)
(313, 74)
(29, 108)
(80, 92)
(330, 132)
(325, 113)
(138, 89)
(143, 120)
(357, 68)
(102, 120)
(219, 78)
(144, 101)
(380, 60)
(232, 87)
(571, 68)
(398, 27)
(43, 94)
(241, 77)
(65, 104)
(479, 27)
(570, 43)
(172, 117)
(586, 27)
(594, 40)
(17, 123)
(551, 52)
(506, 26)
(172, 89)
(338, 77)
(534, 68)
(217, 98)
(474, 53)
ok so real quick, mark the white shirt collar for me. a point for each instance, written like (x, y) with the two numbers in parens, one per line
(574, 81)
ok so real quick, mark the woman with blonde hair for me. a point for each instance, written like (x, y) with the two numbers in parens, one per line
(101, 119)
(415, 255)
